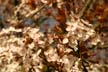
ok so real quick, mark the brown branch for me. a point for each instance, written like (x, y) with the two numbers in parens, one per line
(31, 14)
(85, 8)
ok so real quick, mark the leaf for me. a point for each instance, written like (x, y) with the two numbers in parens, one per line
(57, 29)
(28, 40)
(32, 4)
(65, 41)
(83, 51)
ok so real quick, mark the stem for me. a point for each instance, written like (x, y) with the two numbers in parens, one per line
(85, 8)
(31, 14)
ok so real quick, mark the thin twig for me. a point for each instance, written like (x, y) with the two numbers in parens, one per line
(86, 7)
(31, 14)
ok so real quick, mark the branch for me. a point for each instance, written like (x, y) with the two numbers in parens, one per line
(85, 8)
(31, 14)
